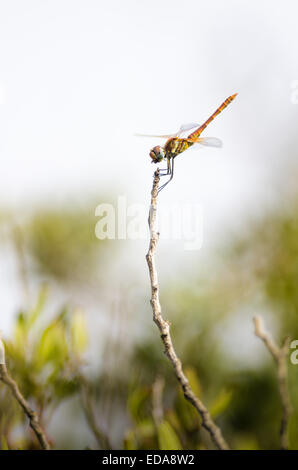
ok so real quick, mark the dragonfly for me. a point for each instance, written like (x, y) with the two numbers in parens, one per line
(177, 144)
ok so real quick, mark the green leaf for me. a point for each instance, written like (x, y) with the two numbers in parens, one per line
(173, 419)
(136, 401)
(20, 332)
(221, 403)
(4, 445)
(79, 335)
(130, 441)
(185, 411)
(167, 438)
(52, 347)
(146, 428)
(246, 442)
(193, 379)
(35, 313)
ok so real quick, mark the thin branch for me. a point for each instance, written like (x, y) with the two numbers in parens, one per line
(164, 327)
(157, 406)
(280, 357)
(32, 415)
(88, 408)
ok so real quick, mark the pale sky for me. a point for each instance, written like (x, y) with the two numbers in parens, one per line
(79, 78)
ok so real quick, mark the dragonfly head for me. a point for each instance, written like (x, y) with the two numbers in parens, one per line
(157, 154)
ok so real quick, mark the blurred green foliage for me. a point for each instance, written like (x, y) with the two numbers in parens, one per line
(46, 353)
(63, 243)
(44, 358)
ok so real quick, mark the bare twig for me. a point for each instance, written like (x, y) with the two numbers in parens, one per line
(164, 327)
(87, 402)
(13, 386)
(280, 357)
(157, 407)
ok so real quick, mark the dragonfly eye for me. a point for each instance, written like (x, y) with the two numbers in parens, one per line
(157, 154)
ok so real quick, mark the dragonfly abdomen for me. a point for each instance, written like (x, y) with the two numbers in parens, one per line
(199, 131)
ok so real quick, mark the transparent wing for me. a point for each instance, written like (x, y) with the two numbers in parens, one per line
(187, 127)
(183, 128)
(207, 141)
(164, 136)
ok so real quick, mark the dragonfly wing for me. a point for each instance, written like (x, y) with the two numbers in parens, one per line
(164, 136)
(183, 128)
(187, 127)
(211, 142)
(207, 141)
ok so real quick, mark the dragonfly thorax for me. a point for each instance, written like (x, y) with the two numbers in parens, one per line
(157, 154)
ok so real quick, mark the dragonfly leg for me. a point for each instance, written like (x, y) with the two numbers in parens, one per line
(171, 172)
(167, 171)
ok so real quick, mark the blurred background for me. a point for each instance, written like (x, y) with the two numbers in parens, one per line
(77, 80)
